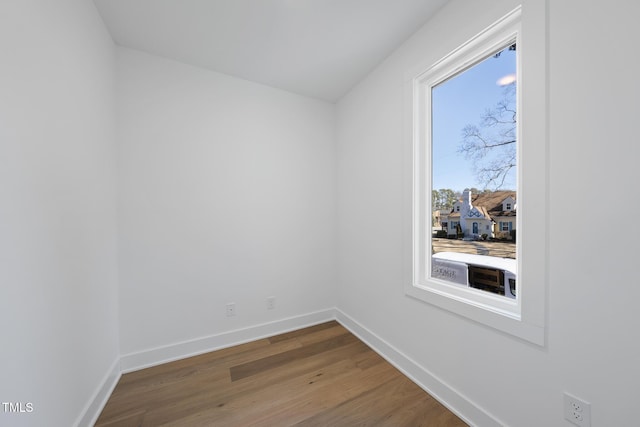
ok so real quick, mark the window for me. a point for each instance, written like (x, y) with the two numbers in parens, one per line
(488, 289)
(505, 226)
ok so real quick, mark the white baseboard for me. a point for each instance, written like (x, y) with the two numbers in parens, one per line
(94, 406)
(445, 394)
(156, 356)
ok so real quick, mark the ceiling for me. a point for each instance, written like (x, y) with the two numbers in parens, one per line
(317, 48)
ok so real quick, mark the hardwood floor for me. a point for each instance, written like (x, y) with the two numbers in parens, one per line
(318, 376)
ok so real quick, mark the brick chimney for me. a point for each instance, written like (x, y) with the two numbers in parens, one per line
(465, 208)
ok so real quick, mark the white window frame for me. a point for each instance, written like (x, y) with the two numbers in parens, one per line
(523, 317)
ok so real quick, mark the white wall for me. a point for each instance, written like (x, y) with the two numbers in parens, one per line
(591, 348)
(227, 194)
(58, 290)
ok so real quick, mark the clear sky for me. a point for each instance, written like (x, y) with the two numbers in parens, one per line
(458, 102)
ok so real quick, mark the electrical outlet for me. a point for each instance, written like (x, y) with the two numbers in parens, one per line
(271, 303)
(231, 309)
(577, 411)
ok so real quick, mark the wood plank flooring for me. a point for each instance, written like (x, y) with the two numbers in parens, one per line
(317, 376)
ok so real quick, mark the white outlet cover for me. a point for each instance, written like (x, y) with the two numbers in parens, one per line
(231, 309)
(577, 411)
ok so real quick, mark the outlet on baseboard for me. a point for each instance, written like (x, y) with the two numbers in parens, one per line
(577, 411)
(231, 309)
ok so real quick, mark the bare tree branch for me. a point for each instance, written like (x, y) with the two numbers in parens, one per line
(491, 144)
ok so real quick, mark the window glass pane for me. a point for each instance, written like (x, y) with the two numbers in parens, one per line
(474, 170)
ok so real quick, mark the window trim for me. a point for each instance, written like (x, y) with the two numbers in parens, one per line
(524, 317)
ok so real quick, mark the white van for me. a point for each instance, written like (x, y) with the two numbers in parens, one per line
(492, 274)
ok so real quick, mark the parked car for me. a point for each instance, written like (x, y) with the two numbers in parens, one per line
(489, 273)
